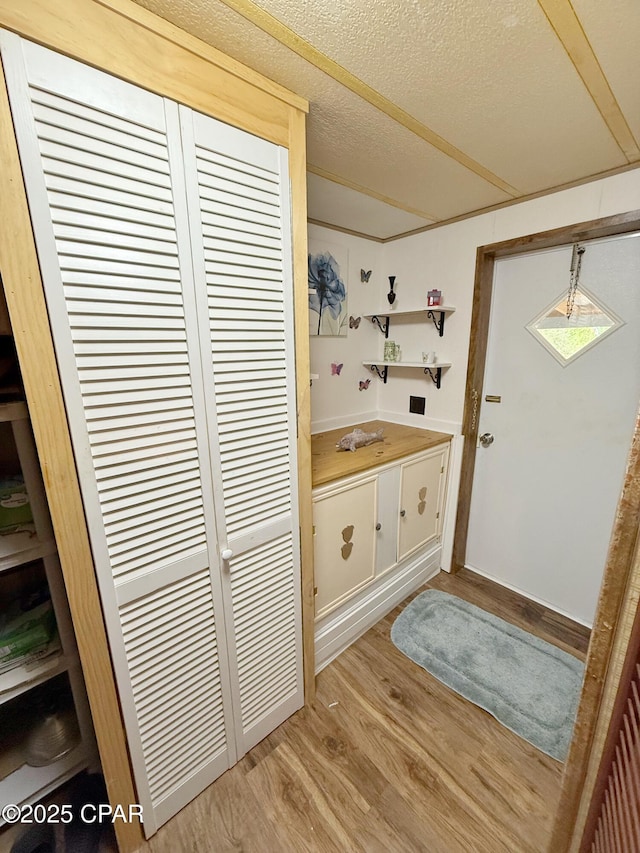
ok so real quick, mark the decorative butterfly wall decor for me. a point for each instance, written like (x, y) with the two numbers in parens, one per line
(354, 322)
(364, 384)
(365, 276)
(336, 368)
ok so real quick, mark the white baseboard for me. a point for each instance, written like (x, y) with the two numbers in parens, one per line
(406, 418)
(349, 421)
(339, 629)
(528, 595)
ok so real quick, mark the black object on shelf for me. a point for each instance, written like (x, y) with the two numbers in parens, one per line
(391, 295)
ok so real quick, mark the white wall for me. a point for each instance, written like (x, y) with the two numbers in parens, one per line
(443, 258)
(336, 400)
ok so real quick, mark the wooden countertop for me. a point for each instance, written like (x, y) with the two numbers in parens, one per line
(328, 464)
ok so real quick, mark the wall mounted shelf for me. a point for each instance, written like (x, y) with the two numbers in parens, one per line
(437, 314)
(28, 784)
(22, 678)
(434, 371)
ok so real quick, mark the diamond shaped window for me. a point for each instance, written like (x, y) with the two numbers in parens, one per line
(567, 338)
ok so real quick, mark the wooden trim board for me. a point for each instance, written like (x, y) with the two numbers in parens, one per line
(297, 172)
(286, 36)
(617, 608)
(567, 27)
(123, 39)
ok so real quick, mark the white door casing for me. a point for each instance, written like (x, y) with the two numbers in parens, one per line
(545, 491)
(105, 173)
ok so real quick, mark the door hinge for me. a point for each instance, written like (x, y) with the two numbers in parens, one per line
(437, 515)
(442, 470)
(315, 590)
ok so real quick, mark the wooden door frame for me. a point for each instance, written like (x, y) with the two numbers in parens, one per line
(622, 569)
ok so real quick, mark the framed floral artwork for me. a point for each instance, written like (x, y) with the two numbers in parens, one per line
(327, 270)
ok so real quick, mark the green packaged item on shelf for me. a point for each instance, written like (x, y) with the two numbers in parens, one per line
(23, 633)
(15, 509)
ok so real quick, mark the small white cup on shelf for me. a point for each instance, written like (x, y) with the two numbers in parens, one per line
(429, 357)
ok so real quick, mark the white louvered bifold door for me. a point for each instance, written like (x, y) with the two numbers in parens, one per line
(105, 180)
(238, 196)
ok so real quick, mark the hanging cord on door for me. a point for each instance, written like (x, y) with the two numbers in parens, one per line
(474, 412)
(574, 276)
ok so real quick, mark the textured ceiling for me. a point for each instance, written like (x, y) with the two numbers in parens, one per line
(425, 110)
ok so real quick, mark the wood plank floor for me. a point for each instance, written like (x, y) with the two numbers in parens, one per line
(387, 759)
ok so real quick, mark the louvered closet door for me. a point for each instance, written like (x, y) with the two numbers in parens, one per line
(105, 182)
(238, 196)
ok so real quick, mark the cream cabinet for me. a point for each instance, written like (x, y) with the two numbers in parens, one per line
(420, 501)
(375, 534)
(345, 541)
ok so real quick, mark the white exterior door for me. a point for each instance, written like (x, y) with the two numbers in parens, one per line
(545, 490)
(179, 458)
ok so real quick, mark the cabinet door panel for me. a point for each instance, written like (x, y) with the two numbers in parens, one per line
(420, 487)
(344, 543)
(244, 291)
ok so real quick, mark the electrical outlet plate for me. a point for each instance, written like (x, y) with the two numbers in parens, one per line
(417, 405)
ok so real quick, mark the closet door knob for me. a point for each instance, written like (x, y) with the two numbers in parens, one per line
(403, 512)
(226, 554)
(378, 526)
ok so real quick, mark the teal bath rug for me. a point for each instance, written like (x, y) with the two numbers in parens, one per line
(527, 684)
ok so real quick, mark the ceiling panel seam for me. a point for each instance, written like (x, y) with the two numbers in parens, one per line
(336, 179)
(567, 27)
(343, 230)
(608, 173)
(290, 39)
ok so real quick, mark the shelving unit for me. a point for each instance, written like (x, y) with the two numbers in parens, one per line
(382, 320)
(28, 558)
(29, 784)
(17, 681)
(437, 314)
(432, 370)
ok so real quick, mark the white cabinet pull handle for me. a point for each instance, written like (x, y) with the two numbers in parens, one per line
(226, 554)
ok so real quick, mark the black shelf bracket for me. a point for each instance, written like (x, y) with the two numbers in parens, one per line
(438, 375)
(381, 373)
(384, 327)
(438, 324)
